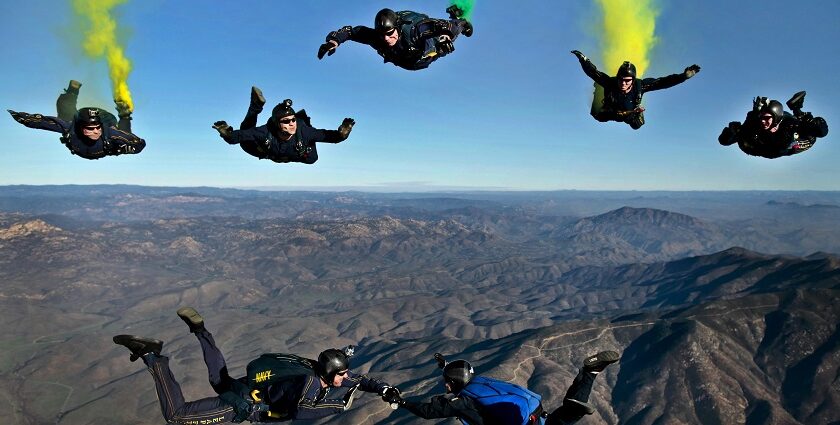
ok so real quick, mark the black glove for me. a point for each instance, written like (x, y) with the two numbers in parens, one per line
(391, 395)
(327, 48)
(441, 361)
(223, 128)
(119, 149)
(346, 127)
(445, 45)
(389, 392)
(581, 57)
(734, 126)
(759, 102)
(18, 116)
(691, 71)
(123, 111)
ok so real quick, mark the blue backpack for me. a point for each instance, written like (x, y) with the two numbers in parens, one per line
(506, 403)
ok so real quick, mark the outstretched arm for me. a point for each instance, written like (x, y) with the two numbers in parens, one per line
(41, 122)
(590, 69)
(123, 142)
(365, 383)
(442, 407)
(311, 134)
(235, 137)
(651, 84)
(359, 34)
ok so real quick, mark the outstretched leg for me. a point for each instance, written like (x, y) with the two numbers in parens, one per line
(217, 371)
(576, 403)
(172, 404)
(175, 410)
(66, 104)
(458, 25)
(254, 109)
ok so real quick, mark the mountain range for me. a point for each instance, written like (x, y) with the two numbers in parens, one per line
(718, 320)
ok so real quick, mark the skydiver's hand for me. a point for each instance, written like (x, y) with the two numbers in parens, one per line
(759, 102)
(581, 57)
(223, 128)
(691, 71)
(123, 111)
(346, 127)
(389, 392)
(392, 396)
(327, 48)
(445, 45)
(734, 126)
(18, 116)
(441, 361)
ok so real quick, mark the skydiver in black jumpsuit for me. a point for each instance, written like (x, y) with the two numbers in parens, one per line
(409, 40)
(287, 137)
(324, 389)
(90, 133)
(770, 132)
(623, 93)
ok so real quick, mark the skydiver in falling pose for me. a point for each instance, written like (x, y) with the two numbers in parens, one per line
(277, 387)
(623, 93)
(409, 40)
(287, 137)
(479, 400)
(770, 132)
(90, 133)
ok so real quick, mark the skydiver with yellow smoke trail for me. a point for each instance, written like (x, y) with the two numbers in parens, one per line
(90, 132)
(623, 93)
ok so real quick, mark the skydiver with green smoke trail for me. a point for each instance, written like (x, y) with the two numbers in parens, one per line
(623, 93)
(409, 40)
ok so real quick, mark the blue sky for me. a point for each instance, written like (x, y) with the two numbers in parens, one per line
(509, 109)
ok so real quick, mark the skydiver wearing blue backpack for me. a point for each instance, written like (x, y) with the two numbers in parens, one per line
(478, 400)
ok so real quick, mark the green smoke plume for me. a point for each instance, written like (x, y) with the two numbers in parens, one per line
(465, 5)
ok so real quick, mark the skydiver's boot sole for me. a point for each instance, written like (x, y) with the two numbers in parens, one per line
(139, 346)
(600, 361)
(468, 29)
(797, 101)
(191, 317)
(74, 87)
(454, 12)
(257, 98)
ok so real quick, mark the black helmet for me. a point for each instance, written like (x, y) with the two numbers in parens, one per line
(331, 362)
(282, 110)
(86, 117)
(774, 108)
(458, 374)
(385, 21)
(626, 69)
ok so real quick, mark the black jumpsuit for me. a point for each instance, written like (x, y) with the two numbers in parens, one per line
(619, 106)
(469, 411)
(415, 48)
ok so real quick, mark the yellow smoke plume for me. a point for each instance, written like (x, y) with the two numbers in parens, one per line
(626, 31)
(101, 41)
